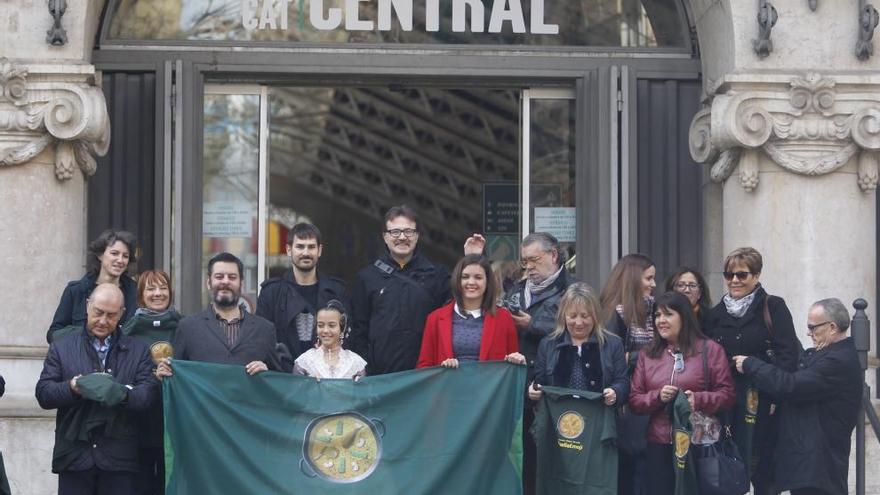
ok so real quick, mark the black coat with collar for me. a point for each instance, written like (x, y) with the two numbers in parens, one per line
(548, 366)
(128, 360)
(280, 302)
(200, 338)
(71, 309)
(749, 335)
(819, 408)
(389, 311)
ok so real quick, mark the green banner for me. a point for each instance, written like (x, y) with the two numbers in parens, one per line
(417, 432)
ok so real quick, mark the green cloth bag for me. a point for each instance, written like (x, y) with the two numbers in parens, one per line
(682, 460)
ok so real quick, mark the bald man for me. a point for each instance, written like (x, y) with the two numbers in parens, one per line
(98, 379)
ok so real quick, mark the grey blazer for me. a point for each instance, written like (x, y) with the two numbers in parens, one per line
(200, 338)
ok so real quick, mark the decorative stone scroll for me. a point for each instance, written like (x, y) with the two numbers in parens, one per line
(809, 125)
(37, 111)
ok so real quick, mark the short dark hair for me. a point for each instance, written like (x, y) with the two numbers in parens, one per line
(304, 231)
(106, 239)
(400, 211)
(491, 294)
(690, 332)
(225, 258)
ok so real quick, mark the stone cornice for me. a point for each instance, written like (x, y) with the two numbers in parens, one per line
(808, 124)
(52, 105)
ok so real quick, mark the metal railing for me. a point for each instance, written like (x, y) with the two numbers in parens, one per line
(860, 329)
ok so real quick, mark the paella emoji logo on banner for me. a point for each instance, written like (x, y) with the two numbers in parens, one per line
(342, 448)
(403, 433)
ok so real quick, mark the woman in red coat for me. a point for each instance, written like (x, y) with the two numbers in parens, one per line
(671, 364)
(471, 327)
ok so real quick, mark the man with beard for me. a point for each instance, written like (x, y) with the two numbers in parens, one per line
(225, 333)
(290, 301)
(394, 295)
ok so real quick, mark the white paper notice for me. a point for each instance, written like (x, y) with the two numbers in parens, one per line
(228, 219)
(561, 222)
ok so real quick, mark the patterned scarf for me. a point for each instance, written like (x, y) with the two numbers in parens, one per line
(532, 288)
(738, 307)
(638, 337)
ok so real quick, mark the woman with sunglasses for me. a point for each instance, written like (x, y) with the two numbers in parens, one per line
(749, 322)
(676, 361)
(691, 283)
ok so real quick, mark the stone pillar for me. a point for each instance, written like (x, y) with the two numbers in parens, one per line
(53, 121)
(798, 158)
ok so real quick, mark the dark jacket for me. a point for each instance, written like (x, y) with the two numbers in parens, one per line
(200, 338)
(389, 311)
(611, 354)
(280, 303)
(72, 307)
(651, 374)
(749, 336)
(818, 411)
(128, 360)
(543, 309)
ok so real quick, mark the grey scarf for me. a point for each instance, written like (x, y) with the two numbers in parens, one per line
(738, 307)
(538, 288)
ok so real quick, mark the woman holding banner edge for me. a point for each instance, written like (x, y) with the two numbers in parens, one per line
(471, 327)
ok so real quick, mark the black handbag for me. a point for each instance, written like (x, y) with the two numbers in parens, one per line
(632, 431)
(720, 468)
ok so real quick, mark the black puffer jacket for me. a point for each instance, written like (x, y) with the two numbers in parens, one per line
(280, 302)
(72, 307)
(389, 311)
(113, 447)
(819, 407)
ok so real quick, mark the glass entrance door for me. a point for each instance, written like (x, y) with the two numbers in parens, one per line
(496, 161)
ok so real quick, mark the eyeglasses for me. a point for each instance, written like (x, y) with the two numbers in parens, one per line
(404, 232)
(687, 287)
(812, 328)
(533, 260)
(739, 275)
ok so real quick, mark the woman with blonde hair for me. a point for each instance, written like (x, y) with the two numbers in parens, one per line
(580, 353)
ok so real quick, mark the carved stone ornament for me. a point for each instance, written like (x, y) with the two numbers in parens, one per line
(811, 125)
(37, 112)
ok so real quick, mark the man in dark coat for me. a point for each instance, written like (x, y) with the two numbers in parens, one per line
(291, 301)
(393, 296)
(97, 379)
(225, 333)
(533, 303)
(819, 404)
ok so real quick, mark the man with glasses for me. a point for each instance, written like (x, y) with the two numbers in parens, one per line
(533, 304)
(394, 295)
(819, 404)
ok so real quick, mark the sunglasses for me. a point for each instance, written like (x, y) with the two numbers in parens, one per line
(739, 275)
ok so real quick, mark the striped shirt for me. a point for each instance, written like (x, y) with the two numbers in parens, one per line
(230, 327)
